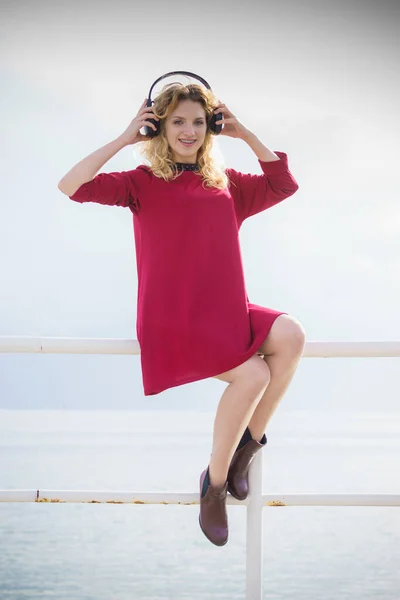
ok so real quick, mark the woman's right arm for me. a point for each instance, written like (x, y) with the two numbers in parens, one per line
(85, 170)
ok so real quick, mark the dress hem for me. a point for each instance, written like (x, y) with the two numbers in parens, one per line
(252, 351)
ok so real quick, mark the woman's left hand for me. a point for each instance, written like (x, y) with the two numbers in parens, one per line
(231, 126)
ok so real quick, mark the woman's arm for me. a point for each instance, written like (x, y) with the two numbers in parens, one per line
(262, 152)
(86, 169)
(253, 193)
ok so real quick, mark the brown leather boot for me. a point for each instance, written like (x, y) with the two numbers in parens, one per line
(213, 518)
(238, 474)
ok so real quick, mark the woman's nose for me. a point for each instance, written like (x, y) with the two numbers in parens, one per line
(189, 130)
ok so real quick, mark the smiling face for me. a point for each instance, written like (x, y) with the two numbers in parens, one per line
(186, 123)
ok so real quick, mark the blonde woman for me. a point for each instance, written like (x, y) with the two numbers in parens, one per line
(194, 318)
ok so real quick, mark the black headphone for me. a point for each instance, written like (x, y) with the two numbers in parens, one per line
(214, 128)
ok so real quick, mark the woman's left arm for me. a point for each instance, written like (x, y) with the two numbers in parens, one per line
(254, 193)
(263, 153)
(233, 128)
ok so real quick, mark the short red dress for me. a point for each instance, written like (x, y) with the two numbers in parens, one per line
(194, 318)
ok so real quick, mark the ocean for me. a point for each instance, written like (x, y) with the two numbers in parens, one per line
(121, 552)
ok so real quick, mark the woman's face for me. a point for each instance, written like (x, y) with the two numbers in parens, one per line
(187, 122)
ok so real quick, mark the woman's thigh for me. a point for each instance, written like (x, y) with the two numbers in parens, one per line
(286, 332)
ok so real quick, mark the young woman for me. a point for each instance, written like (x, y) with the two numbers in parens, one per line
(194, 318)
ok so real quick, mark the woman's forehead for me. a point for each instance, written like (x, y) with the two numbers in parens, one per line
(189, 108)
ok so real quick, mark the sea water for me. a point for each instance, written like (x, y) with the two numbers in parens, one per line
(120, 552)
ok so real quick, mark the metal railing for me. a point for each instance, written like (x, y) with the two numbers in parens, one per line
(256, 500)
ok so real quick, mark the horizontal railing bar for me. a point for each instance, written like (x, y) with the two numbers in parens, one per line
(127, 497)
(58, 345)
(65, 345)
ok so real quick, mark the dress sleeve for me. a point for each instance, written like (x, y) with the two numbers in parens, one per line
(113, 189)
(254, 193)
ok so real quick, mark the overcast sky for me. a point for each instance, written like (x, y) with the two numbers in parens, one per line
(316, 80)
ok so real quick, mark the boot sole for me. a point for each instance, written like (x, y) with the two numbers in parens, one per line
(234, 495)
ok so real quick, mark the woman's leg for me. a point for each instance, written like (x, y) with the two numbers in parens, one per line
(282, 351)
(247, 384)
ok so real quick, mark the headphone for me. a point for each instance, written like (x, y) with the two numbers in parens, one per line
(214, 128)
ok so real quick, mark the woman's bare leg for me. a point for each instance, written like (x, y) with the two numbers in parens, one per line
(282, 352)
(247, 384)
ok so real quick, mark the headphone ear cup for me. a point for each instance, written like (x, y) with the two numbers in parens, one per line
(149, 131)
(214, 127)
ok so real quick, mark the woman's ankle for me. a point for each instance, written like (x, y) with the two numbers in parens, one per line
(217, 479)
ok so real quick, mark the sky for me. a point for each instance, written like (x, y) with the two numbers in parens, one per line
(317, 80)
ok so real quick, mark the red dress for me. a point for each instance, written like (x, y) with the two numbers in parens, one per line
(194, 319)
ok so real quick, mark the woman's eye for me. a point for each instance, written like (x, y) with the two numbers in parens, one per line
(197, 122)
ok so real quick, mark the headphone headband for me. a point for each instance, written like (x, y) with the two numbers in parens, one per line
(203, 81)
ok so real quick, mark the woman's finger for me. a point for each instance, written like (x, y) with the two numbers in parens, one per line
(224, 110)
(232, 120)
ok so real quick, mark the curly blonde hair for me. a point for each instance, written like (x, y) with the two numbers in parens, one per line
(157, 150)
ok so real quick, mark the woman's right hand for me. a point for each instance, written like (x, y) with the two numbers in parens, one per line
(132, 134)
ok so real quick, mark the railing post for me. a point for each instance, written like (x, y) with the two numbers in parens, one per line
(254, 533)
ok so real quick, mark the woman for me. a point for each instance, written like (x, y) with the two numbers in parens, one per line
(194, 319)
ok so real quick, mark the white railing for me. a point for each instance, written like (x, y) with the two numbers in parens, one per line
(65, 345)
(256, 500)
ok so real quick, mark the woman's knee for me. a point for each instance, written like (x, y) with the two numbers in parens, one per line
(287, 335)
(255, 372)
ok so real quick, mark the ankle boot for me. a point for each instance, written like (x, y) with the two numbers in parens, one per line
(213, 518)
(238, 474)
